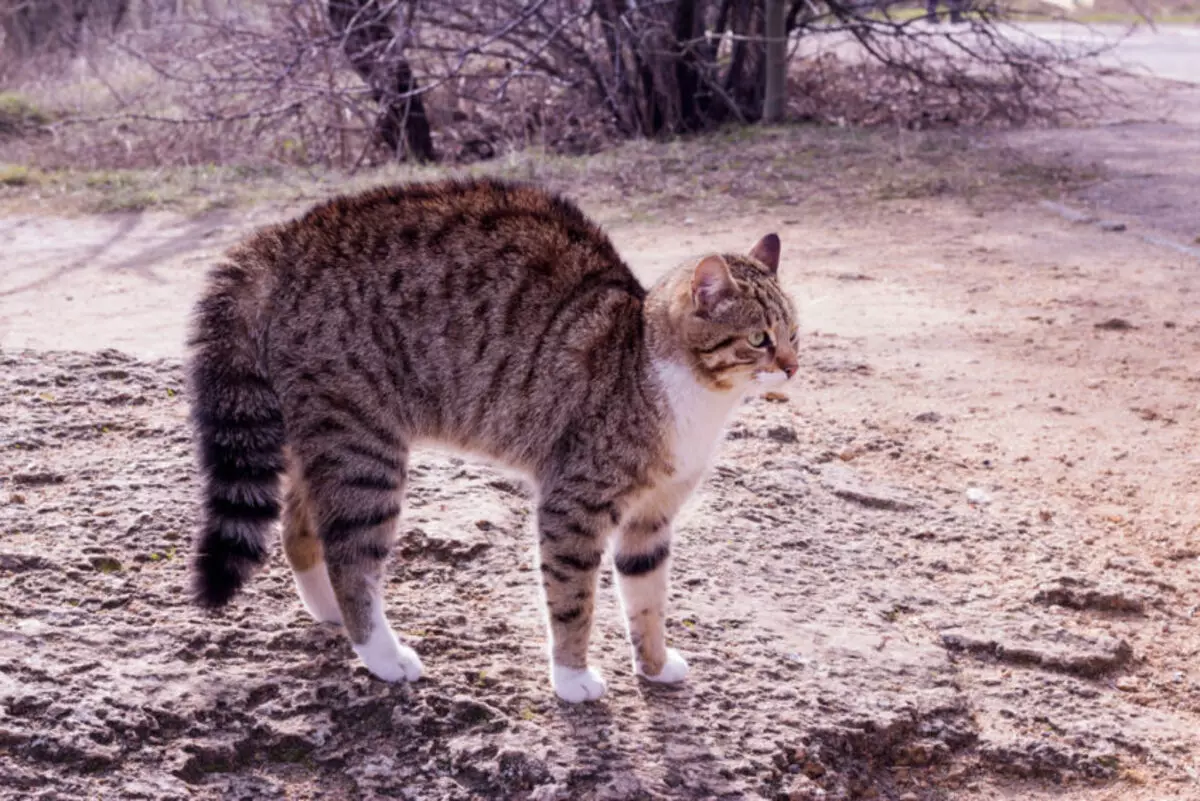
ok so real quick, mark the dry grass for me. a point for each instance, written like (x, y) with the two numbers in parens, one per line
(738, 166)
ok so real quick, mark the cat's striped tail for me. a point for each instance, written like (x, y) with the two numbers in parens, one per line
(238, 426)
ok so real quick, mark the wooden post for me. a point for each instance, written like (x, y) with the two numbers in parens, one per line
(775, 94)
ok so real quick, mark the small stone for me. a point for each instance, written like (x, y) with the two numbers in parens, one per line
(1111, 225)
(775, 397)
(977, 497)
(783, 434)
(813, 769)
(849, 486)
(18, 563)
(928, 417)
(106, 564)
(1116, 324)
(1127, 684)
(37, 479)
(1058, 651)
(1078, 593)
(802, 788)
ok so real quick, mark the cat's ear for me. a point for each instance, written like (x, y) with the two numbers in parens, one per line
(711, 283)
(767, 251)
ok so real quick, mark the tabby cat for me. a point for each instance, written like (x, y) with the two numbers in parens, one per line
(485, 316)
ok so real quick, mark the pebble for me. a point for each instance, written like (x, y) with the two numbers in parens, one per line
(1115, 324)
(978, 497)
(782, 434)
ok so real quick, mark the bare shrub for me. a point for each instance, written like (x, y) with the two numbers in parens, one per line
(347, 83)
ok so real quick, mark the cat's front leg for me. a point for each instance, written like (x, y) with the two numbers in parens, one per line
(643, 554)
(571, 541)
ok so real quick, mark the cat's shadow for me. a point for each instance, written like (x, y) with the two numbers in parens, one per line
(645, 739)
(678, 732)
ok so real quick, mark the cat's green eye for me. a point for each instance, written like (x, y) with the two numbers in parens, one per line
(758, 339)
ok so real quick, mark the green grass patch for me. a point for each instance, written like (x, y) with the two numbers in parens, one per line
(742, 169)
(19, 114)
(17, 175)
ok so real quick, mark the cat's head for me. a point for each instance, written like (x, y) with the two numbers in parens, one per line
(733, 319)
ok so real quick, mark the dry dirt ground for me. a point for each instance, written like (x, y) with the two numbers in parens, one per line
(959, 561)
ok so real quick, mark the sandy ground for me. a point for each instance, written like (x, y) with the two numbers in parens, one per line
(959, 562)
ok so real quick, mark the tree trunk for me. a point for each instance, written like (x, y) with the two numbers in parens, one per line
(746, 75)
(48, 25)
(371, 47)
(687, 72)
(775, 95)
(666, 78)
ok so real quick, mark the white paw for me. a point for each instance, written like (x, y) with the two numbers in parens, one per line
(674, 670)
(574, 685)
(316, 593)
(387, 657)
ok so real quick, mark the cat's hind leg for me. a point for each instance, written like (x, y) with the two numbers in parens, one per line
(355, 484)
(304, 553)
(641, 559)
(571, 539)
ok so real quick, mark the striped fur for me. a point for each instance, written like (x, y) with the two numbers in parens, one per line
(490, 317)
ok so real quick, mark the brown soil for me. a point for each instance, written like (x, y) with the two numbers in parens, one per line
(959, 561)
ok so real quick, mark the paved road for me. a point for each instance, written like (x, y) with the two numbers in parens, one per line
(1147, 147)
(1168, 51)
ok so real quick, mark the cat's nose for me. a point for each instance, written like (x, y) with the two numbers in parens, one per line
(788, 365)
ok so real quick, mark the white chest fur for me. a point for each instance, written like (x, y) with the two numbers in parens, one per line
(699, 416)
